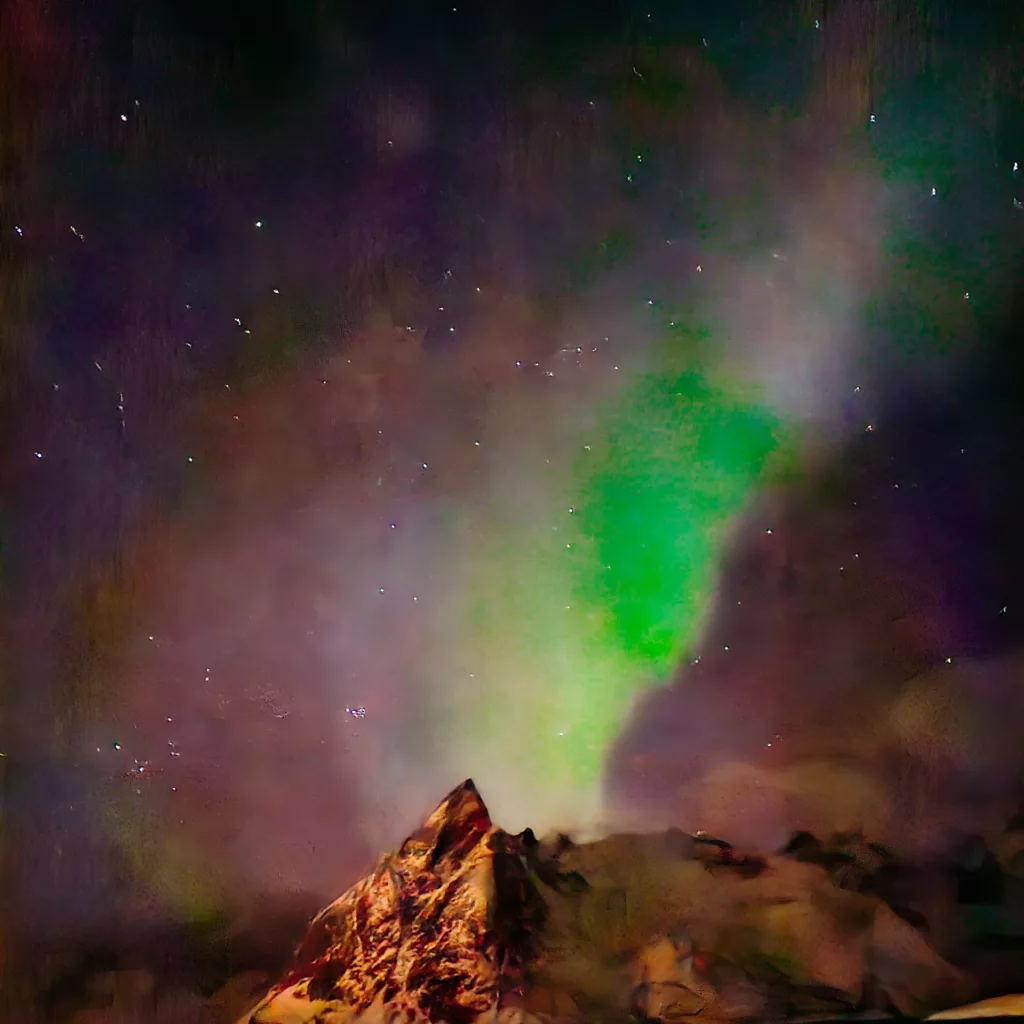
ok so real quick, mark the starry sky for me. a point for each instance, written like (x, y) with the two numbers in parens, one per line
(620, 408)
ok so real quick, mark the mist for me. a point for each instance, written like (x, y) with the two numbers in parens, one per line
(382, 565)
(367, 603)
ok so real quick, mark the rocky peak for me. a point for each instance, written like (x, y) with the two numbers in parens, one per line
(465, 923)
(436, 932)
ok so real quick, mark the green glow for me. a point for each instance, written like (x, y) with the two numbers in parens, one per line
(679, 461)
(571, 611)
(167, 866)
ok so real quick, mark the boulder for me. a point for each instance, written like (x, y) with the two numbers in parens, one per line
(666, 985)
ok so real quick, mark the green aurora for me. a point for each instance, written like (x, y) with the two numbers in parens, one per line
(572, 612)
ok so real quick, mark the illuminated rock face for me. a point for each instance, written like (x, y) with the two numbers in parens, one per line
(467, 924)
(434, 933)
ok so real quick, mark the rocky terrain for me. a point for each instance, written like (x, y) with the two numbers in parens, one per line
(465, 922)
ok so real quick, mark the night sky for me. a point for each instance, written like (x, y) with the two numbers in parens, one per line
(619, 404)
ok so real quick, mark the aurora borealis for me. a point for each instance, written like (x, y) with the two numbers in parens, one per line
(603, 594)
(556, 409)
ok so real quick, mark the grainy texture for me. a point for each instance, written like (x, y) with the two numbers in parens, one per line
(429, 934)
(465, 923)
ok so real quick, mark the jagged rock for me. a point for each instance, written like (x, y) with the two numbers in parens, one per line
(851, 862)
(466, 923)
(672, 981)
(433, 934)
(666, 985)
(860, 866)
(782, 927)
